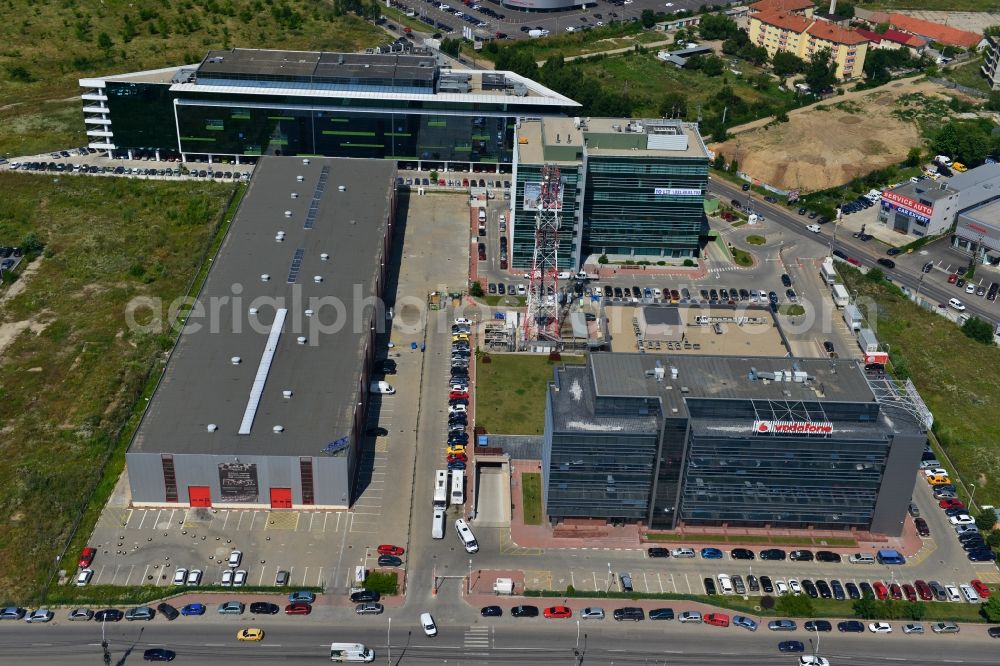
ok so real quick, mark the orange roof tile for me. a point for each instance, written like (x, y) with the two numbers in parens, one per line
(781, 5)
(935, 31)
(783, 20)
(834, 33)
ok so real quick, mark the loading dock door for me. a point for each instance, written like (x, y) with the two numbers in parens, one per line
(200, 495)
(281, 498)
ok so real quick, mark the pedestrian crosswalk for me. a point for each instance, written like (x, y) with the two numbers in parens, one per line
(477, 637)
(724, 269)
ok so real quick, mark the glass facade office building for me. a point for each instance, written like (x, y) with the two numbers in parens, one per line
(252, 103)
(706, 443)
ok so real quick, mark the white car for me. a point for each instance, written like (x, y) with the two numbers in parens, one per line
(794, 585)
(194, 577)
(880, 628)
(669, 4)
(40, 615)
(240, 578)
(227, 578)
(457, 409)
(781, 587)
(962, 519)
(180, 575)
(815, 228)
(235, 558)
(810, 660)
(461, 388)
(592, 613)
(936, 472)
(969, 593)
(970, 288)
(682, 552)
(956, 304)
(725, 584)
(462, 321)
(427, 622)
(84, 577)
(952, 592)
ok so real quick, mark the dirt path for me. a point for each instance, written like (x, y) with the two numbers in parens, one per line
(9, 331)
(624, 49)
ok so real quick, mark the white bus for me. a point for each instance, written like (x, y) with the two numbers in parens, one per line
(351, 652)
(437, 527)
(441, 488)
(457, 487)
(466, 536)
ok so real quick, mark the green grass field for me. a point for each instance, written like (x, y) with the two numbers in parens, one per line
(531, 498)
(954, 376)
(70, 388)
(968, 74)
(510, 392)
(48, 46)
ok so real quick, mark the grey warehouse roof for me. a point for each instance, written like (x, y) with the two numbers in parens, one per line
(260, 62)
(201, 385)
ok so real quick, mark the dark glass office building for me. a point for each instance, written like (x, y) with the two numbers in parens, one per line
(247, 102)
(633, 189)
(752, 442)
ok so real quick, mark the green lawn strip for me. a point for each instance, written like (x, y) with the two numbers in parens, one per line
(792, 310)
(822, 608)
(114, 462)
(510, 391)
(138, 595)
(741, 257)
(383, 582)
(968, 74)
(531, 498)
(754, 239)
(510, 301)
(761, 539)
(958, 386)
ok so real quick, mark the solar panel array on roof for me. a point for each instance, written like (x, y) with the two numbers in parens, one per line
(293, 272)
(317, 195)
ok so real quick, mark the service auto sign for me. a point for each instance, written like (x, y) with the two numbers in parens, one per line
(794, 427)
(907, 202)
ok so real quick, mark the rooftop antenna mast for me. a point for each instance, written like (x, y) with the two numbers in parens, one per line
(542, 320)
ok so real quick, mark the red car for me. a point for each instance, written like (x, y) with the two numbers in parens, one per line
(910, 592)
(895, 591)
(458, 457)
(387, 549)
(558, 612)
(953, 278)
(716, 619)
(881, 591)
(298, 608)
(981, 589)
(951, 504)
(924, 590)
(458, 395)
(87, 557)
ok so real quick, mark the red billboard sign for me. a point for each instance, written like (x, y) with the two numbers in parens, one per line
(794, 427)
(907, 202)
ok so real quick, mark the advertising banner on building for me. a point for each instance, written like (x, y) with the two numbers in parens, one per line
(532, 194)
(907, 203)
(238, 482)
(793, 427)
(677, 191)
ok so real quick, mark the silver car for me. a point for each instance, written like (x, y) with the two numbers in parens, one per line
(592, 613)
(913, 628)
(945, 628)
(690, 616)
(369, 609)
(40, 615)
(81, 614)
(142, 613)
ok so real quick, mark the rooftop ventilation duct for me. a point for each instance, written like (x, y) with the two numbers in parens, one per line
(305, 160)
(212, 427)
(301, 339)
(324, 257)
(278, 428)
(295, 195)
(317, 278)
(300, 178)
(286, 394)
(265, 277)
(341, 188)
(236, 360)
(253, 311)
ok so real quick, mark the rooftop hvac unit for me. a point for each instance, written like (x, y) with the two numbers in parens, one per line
(520, 90)
(799, 376)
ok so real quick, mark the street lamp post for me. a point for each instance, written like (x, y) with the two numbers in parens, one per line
(388, 643)
(470, 576)
(577, 634)
(972, 496)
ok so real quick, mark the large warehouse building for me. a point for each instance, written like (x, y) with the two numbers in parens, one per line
(712, 440)
(250, 102)
(630, 188)
(263, 400)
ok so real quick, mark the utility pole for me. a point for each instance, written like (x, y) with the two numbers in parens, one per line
(470, 576)
(104, 643)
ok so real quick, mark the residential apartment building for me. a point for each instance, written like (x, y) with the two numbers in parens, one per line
(804, 36)
(991, 58)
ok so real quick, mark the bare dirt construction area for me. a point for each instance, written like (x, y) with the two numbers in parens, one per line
(829, 143)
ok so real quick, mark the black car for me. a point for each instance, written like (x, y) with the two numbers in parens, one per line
(376, 431)
(786, 280)
(852, 591)
(734, 295)
(826, 555)
(389, 561)
(791, 295)
(888, 263)
(746, 186)
(524, 611)
(828, 346)
(772, 296)
(264, 608)
(791, 646)
(629, 613)
(772, 554)
(109, 615)
(810, 588)
(709, 585)
(766, 585)
(770, 199)
(824, 589)
(893, 251)
(658, 552)
(994, 632)
(802, 211)
(168, 611)
(661, 614)
(801, 556)
(158, 654)
(818, 625)
(838, 589)
(868, 592)
(491, 611)
(851, 626)
(365, 595)
(753, 583)
(741, 554)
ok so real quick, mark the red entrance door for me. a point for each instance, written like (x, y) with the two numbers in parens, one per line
(199, 496)
(281, 498)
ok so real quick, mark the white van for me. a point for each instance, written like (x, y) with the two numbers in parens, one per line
(725, 584)
(346, 652)
(482, 214)
(382, 387)
(437, 527)
(956, 304)
(466, 537)
(861, 558)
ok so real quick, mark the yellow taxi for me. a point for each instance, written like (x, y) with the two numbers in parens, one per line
(938, 479)
(460, 337)
(251, 634)
(454, 449)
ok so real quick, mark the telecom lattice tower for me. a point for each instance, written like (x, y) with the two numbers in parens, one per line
(542, 320)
